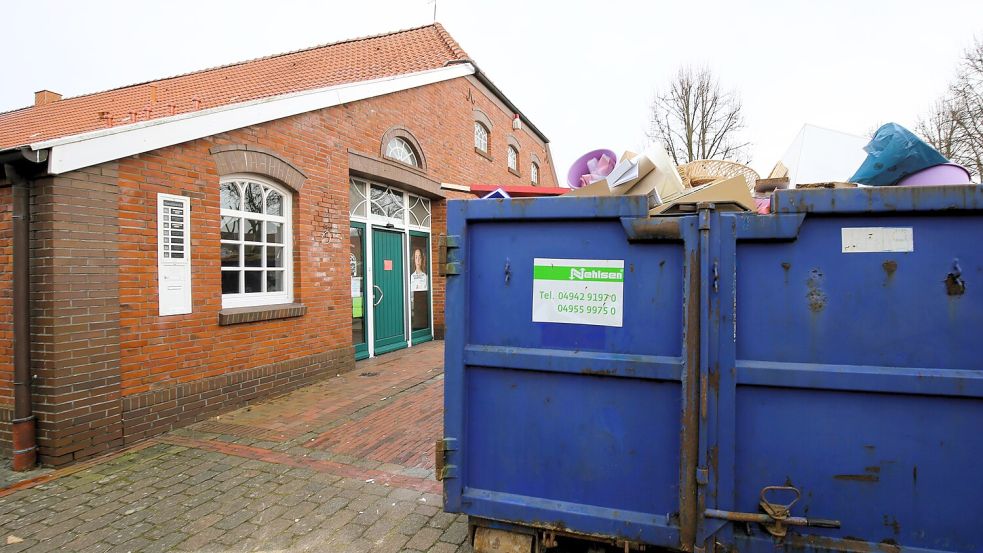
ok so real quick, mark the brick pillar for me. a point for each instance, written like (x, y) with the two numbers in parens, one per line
(75, 314)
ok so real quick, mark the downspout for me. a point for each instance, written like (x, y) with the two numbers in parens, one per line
(23, 426)
(19, 166)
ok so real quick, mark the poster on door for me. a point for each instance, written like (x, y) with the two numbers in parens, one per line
(419, 279)
(419, 282)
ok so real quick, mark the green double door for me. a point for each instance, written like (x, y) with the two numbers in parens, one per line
(388, 291)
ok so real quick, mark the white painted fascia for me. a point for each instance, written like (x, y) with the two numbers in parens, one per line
(91, 148)
(458, 187)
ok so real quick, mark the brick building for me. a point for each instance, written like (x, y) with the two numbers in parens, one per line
(199, 241)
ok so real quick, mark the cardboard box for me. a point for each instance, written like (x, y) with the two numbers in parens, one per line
(650, 174)
(732, 193)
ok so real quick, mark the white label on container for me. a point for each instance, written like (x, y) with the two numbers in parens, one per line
(578, 291)
(878, 239)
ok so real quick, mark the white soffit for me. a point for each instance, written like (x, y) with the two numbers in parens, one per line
(87, 149)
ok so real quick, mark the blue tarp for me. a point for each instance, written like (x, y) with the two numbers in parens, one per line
(893, 154)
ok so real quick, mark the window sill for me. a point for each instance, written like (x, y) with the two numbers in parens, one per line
(514, 172)
(240, 315)
(483, 153)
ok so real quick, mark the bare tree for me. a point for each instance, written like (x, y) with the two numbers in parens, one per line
(697, 119)
(941, 128)
(967, 96)
(954, 127)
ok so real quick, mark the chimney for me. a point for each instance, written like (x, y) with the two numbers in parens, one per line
(45, 97)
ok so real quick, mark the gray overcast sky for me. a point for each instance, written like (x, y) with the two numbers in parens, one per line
(584, 72)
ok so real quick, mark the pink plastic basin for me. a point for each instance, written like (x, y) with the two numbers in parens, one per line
(579, 167)
(947, 173)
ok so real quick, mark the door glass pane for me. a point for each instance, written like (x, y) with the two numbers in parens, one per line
(230, 282)
(357, 262)
(419, 211)
(386, 202)
(420, 282)
(254, 281)
(356, 198)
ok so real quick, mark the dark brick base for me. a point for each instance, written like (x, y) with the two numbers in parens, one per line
(6, 415)
(155, 412)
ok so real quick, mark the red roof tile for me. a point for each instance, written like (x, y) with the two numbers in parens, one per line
(354, 60)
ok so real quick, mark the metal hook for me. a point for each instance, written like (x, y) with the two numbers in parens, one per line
(508, 271)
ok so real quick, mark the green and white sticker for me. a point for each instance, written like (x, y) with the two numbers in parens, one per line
(578, 291)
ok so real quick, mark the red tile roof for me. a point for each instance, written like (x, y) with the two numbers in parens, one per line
(348, 61)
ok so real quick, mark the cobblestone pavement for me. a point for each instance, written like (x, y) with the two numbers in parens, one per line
(343, 465)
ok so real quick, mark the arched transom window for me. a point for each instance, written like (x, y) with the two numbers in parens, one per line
(513, 158)
(480, 137)
(400, 150)
(256, 242)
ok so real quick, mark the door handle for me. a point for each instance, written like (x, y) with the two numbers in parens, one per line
(381, 295)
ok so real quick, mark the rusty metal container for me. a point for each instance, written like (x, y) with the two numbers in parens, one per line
(809, 380)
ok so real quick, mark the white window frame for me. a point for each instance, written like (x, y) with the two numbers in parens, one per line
(481, 140)
(512, 158)
(383, 220)
(257, 299)
(411, 200)
(403, 225)
(408, 157)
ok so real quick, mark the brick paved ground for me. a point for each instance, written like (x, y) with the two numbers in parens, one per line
(344, 465)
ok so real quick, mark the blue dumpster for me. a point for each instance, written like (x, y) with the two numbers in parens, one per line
(808, 380)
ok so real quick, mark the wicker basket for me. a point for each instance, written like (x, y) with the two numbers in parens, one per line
(704, 171)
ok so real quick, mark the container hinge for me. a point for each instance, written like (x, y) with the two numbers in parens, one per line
(704, 217)
(445, 266)
(442, 469)
(702, 476)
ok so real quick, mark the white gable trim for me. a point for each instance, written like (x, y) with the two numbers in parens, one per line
(84, 150)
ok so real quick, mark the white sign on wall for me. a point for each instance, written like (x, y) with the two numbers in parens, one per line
(578, 291)
(173, 254)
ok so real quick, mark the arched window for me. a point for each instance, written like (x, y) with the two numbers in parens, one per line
(256, 241)
(513, 159)
(401, 150)
(480, 137)
(534, 173)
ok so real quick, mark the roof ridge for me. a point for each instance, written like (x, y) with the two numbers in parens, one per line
(455, 48)
(15, 109)
(444, 36)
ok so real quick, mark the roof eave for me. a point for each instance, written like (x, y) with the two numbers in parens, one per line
(91, 148)
(483, 79)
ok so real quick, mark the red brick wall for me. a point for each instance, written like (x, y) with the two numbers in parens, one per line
(153, 373)
(161, 351)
